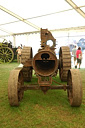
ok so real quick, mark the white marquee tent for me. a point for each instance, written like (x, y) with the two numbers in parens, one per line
(21, 20)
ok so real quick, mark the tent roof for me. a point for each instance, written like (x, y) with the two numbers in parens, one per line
(22, 16)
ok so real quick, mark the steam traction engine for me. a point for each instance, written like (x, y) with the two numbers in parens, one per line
(6, 52)
(46, 65)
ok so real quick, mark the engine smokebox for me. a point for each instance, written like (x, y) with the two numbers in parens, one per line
(45, 63)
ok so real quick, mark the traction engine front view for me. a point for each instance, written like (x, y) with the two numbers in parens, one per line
(46, 66)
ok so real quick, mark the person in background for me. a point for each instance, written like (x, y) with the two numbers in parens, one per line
(19, 54)
(74, 54)
(21, 46)
(79, 57)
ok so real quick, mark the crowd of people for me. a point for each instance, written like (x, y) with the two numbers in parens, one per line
(77, 53)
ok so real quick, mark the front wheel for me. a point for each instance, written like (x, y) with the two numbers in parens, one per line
(15, 82)
(75, 87)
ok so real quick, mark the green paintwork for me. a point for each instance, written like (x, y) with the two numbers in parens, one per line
(6, 53)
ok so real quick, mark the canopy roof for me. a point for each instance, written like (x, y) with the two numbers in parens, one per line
(28, 16)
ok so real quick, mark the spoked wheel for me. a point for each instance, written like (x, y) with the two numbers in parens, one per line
(64, 62)
(6, 55)
(75, 90)
(26, 55)
(15, 82)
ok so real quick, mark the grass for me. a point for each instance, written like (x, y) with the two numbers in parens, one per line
(38, 110)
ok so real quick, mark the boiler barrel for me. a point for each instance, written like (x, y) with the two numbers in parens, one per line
(45, 63)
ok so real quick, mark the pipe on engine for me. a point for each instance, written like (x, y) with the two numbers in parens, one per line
(45, 63)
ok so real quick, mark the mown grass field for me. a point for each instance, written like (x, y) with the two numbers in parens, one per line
(38, 110)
